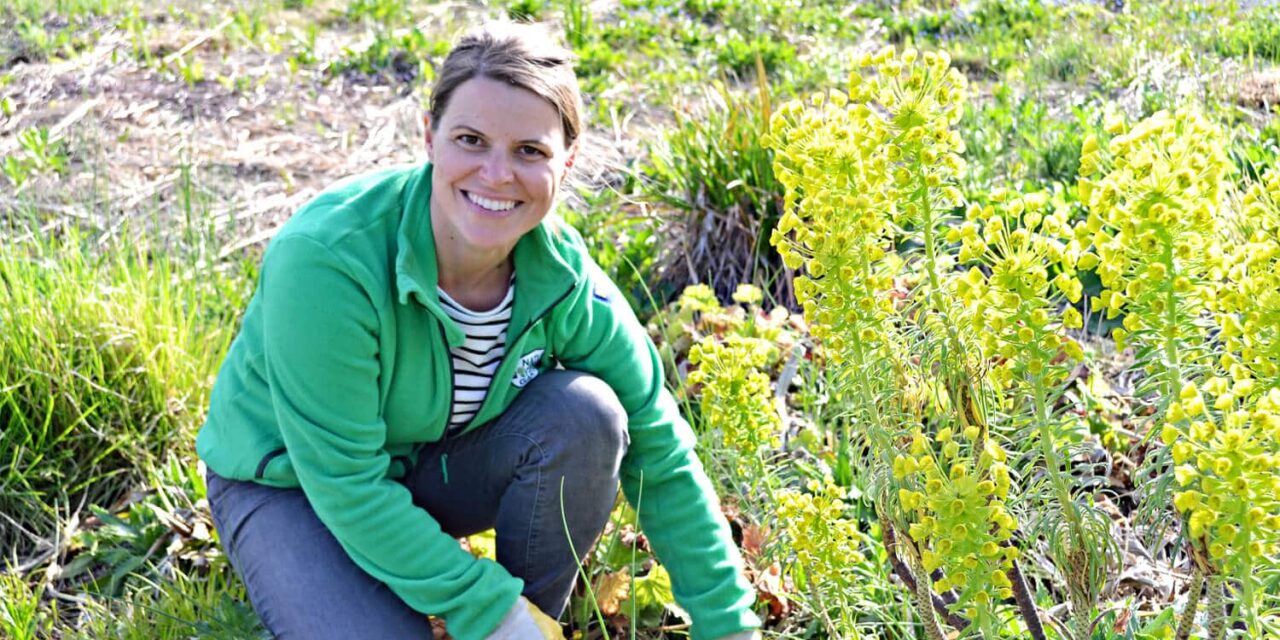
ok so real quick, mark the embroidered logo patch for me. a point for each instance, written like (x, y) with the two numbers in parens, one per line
(527, 370)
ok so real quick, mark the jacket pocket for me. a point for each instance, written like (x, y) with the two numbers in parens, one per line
(261, 471)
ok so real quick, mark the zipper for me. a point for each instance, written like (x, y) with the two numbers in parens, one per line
(448, 415)
(506, 357)
(536, 319)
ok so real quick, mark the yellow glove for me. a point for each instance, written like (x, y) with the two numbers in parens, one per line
(549, 627)
(525, 621)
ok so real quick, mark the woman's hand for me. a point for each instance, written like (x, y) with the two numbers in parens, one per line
(743, 635)
(525, 621)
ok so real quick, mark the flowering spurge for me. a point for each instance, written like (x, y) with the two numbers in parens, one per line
(1154, 194)
(955, 487)
(857, 166)
(826, 546)
(854, 165)
(697, 316)
(862, 170)
(1248, 304)
(737, 398)
(1226, 468)
(1011, 302)
(1009, 298)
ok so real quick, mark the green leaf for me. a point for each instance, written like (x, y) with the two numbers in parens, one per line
(653, 590)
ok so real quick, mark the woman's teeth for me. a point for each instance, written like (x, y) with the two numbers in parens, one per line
(492, 205)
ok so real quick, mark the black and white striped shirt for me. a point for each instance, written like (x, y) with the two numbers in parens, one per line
(475, 362)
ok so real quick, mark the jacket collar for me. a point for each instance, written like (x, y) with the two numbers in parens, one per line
(543, 273)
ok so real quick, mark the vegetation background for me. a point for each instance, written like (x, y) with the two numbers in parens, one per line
(150, 150)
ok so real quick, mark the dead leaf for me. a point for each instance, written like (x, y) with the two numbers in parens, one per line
(753, 538)
(612, 591)
(772, 588)
(1122, 622)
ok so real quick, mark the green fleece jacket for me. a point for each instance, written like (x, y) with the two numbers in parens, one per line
(341, 369)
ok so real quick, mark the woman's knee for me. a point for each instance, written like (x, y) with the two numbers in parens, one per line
(299, 578)
(586, 410)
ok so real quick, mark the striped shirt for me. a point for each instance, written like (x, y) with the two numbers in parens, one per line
(476, 360)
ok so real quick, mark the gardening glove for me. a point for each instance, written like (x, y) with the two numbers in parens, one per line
(750, 634)
(525, 621)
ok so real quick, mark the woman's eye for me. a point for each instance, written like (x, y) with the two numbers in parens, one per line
(468, 139)
(531, 151)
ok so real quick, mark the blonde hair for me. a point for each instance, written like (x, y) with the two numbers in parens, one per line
(522, 55)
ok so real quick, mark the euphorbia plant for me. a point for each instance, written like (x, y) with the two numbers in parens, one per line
(1248, 304)
(737, 397)
(863, 170)
(1229, 491)
(826, 547)
(1155, 193)
(1011, 300)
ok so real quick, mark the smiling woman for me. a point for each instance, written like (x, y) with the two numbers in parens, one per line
(430, 353)
(495, 178)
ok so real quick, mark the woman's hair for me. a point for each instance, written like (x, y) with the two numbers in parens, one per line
(522, 55)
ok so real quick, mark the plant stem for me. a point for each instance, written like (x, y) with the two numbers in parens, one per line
(1173, 371)
(1026, 604)
(903, 572)
(1216, 607)
(1193, 601)
(1080, 611)
(924, 597)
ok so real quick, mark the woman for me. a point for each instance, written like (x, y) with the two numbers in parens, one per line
(428, 355)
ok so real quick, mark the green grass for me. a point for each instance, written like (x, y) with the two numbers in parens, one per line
(1252, 34)
(107, 362)
(712, 178)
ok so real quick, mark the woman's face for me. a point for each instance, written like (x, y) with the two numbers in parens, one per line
(499, 156)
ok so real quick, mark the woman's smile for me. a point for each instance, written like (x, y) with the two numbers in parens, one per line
(490, 204)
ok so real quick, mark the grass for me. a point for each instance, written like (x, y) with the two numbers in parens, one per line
(712, 178)
(108, 361)
(112, 338)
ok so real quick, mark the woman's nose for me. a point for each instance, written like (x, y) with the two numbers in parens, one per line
(496, 168)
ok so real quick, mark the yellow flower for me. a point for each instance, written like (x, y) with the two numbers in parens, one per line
(1072, 319)
(748, 294)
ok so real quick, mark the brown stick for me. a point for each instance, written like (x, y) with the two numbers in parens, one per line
(903, 572)
(1026, 605)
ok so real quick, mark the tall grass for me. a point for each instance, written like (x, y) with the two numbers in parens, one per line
(108, 355)
(712, 178)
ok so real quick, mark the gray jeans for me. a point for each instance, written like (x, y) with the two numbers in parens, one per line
(505, 475)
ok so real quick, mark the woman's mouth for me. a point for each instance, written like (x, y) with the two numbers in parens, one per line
(493, 205)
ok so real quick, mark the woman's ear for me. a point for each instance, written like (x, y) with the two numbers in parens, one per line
(573, 154)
